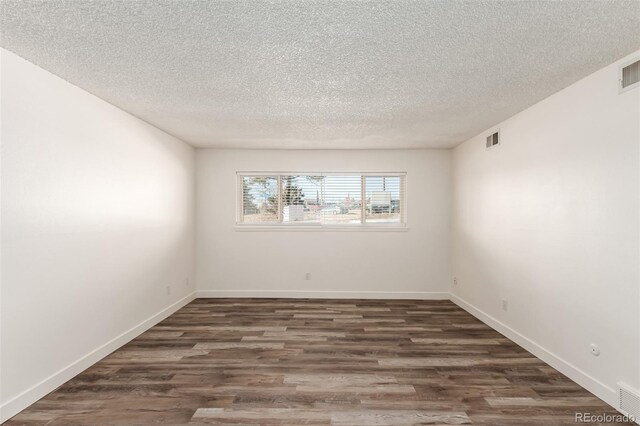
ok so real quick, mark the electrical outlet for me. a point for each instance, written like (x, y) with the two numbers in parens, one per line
(168, 290)
(505, 305)
(455, 281)
(307, 276)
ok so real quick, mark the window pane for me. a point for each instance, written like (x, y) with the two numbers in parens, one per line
(384, 199)
(321, 199)
(259, 199)
(299, 199)
(341, 198)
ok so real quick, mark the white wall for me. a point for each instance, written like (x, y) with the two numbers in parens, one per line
(97, 219)
(342, 263)
(549, 220)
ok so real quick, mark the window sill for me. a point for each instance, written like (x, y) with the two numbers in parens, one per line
(321, 228)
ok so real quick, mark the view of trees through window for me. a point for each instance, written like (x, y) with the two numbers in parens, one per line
(322, 199)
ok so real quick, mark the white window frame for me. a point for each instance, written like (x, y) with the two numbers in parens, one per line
(281, 226)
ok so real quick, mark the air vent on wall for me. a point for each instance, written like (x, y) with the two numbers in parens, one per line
(629, 401)
(493, 140)
(630, 76)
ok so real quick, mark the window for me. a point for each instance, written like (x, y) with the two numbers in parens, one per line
(322, 199)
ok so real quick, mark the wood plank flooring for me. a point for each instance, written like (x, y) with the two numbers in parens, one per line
(317, 362)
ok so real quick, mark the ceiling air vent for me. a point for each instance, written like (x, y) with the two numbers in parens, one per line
(630, 76)
(629, 401)
(493, 140)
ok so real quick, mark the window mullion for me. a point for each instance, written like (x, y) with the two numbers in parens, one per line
(403, 200)
(363, 200)
(240, 213)
(280, 215)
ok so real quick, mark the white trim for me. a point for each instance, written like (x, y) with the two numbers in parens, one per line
(307, 173)
(295, 294)
(321, 228)
(39, 390)
(593, 385)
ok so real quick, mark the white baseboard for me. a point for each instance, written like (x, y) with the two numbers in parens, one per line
(37, 391)
(599, 389)
(291, 294)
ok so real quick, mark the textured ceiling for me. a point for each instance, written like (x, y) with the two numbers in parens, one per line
(321, 74)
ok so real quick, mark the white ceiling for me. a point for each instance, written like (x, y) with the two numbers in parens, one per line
(321, 74)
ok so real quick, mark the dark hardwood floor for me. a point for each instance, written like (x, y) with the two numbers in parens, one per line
(317, 362)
